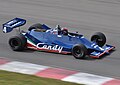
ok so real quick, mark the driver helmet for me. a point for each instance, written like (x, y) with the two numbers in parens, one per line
(65, 31)
(64, 28)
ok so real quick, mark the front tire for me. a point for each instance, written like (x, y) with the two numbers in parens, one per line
(18, 43)
(79, 51)
(99, 38)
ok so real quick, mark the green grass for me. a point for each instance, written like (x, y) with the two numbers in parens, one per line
(10, 78)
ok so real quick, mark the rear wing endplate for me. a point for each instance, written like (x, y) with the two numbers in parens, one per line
(14, 23)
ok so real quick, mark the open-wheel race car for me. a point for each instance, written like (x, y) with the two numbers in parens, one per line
(58, 40)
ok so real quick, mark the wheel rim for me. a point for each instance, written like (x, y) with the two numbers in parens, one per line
(97, 39)
(14, 43)
(78, 53)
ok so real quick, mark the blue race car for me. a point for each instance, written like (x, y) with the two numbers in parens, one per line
(58, 40)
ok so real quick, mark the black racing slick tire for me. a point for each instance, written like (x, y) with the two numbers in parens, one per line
(99, 38)
(35, 26)
(79, 51)
(18, 43)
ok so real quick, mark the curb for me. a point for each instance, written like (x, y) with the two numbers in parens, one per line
(56, 73)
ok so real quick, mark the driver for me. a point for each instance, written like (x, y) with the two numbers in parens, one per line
(58, 30)
(65, 31)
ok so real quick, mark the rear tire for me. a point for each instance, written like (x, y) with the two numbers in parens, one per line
(18, 43)
(79, 51)
(35, 26)
(99, 38)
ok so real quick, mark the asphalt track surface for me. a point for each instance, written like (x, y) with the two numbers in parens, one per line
(85, 16)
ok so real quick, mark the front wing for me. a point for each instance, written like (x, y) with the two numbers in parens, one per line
(98, 54)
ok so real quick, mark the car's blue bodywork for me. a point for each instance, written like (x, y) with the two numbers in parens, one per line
(52, 42)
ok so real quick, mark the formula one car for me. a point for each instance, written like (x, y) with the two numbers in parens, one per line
(58, 40)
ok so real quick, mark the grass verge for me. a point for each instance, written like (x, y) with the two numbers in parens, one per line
(11, 78)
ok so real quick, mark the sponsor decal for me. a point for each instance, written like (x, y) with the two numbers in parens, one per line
(16, 24)
(12, 21)
(50, 47)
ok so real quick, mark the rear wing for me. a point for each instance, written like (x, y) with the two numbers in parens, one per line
(14, 23)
